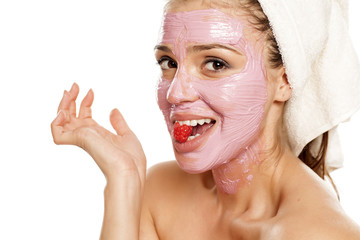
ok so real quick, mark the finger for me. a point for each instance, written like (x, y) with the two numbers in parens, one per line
(65, 102)
(85, 106)
(57, 128)
(68, 97)
(60, 119)
(74, 92)
(72, 109)
(118, 122)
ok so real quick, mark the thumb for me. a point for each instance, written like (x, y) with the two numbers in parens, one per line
(118, 122)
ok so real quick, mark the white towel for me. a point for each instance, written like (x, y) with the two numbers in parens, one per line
(322, 68)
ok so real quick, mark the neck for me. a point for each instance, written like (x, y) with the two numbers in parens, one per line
(251, 183)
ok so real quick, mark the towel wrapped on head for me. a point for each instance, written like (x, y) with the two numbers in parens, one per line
(322, 68)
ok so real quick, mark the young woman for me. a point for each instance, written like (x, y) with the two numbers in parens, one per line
(222, 91)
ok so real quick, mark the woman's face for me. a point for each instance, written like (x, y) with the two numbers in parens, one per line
(213, 78)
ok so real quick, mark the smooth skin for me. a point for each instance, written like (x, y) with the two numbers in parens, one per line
(285, 200)
(119, 156)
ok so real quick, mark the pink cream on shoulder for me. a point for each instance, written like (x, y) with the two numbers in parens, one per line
(236, 102)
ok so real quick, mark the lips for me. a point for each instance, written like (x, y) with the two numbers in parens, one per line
(198, 126)
(200, 131)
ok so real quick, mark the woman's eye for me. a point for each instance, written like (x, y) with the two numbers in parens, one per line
(216, 65)
(167, 63)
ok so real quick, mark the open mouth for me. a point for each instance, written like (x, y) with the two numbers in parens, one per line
(188, 130)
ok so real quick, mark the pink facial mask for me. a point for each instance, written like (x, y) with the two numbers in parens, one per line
(235, 102)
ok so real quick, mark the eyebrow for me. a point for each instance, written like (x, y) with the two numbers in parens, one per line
(198, 48)
(162, 48)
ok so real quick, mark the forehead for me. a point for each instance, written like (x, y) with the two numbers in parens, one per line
(206, 25)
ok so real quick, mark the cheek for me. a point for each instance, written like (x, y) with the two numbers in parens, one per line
(243, 117)
(165, 107)
(237, 97)
(239, 101)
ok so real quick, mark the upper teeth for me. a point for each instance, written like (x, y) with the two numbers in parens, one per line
(193, 123)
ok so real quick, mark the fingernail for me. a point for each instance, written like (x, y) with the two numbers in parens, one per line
(73, 86)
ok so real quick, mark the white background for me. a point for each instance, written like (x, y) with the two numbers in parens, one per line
(56, 192)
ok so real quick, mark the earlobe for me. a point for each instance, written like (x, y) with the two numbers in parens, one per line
(284, 90)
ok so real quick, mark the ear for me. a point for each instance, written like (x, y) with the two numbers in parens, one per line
(283, 88)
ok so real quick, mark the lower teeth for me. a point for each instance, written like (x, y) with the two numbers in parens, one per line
(192, 137)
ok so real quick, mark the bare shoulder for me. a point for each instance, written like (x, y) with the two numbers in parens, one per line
(164, 170)
(167, 189)
(159, 178)
(314, 226)
(167, 184)
(310, 210)
(162, 182)
(167, 175)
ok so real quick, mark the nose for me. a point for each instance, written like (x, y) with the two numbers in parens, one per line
(182, 88)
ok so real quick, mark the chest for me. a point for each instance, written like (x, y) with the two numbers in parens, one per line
(197, 219)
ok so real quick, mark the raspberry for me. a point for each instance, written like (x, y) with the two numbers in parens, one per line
(181, 133)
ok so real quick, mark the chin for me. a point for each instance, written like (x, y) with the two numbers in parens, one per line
(195, 165)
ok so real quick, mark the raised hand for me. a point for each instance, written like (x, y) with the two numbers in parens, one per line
(117, 155)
